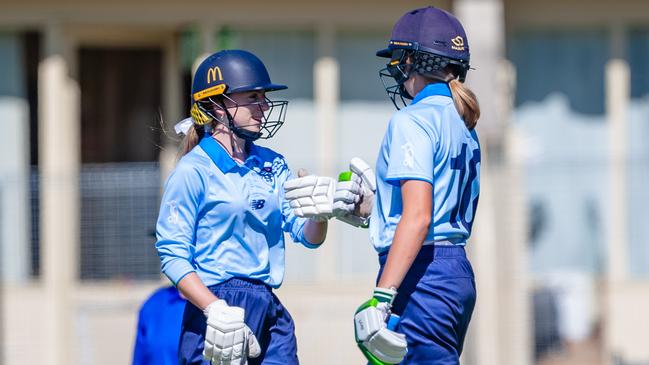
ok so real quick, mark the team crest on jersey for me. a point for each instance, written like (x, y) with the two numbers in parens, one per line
(270, 170)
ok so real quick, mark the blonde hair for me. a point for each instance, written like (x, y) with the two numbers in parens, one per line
(466, 103)
(192, 138)
(189, 142)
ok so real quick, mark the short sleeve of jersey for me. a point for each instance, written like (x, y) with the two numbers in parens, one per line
(410, 149)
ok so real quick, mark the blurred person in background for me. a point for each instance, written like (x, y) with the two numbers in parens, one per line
(427, 187)
(224, 213)
(158, 328)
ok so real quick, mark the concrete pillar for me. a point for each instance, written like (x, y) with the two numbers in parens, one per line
(326, 94)
(484, 23)
(208, 41)
(501, 329)
(207, 33)
(618, 90)
(481, 345)
(618, 94)
(59, 157)
(172, 105)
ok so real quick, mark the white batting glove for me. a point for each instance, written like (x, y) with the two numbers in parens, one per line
(380, 345)
(311, 196)
(354, 195)
(228, 340)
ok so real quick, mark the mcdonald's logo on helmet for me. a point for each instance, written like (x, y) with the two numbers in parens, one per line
(212, 74)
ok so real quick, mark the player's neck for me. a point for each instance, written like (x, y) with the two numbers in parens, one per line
(233, 145)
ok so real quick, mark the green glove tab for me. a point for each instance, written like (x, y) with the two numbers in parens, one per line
(345, 176)
(370, 303)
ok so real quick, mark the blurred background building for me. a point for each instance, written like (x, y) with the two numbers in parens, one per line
(89, 91)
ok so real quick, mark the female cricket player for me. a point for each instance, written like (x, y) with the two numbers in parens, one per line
(427, 186)
(224, 211)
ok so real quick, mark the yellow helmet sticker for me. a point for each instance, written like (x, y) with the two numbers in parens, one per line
(211, 91)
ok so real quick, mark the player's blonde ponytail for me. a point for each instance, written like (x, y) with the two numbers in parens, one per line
(466, 103)
(189, 142)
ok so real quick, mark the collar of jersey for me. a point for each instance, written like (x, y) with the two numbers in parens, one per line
(438, 88)
(221, 157)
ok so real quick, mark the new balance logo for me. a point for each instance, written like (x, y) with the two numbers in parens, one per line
(257, 204)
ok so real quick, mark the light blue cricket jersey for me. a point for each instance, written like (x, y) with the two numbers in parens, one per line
(221, 219)
(428, 141)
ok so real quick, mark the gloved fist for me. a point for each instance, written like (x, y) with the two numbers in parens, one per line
(354, 195)
(380, 345)
(228, 340)
(311, 196)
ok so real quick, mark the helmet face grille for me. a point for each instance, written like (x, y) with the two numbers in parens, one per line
(396, 72)
(273, 114)
(273, 118)
(396, 92)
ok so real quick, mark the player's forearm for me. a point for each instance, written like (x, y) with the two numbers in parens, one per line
(315, 232)
(408, 239)
(192, 288)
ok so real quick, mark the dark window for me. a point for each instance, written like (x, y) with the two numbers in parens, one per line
(120, 177)
(638, 52)
(120, 104)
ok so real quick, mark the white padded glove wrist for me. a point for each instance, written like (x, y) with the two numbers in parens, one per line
(227, 338)
(219, 302)
(311, 196)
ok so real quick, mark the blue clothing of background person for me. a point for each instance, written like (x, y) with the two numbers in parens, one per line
(158, 328)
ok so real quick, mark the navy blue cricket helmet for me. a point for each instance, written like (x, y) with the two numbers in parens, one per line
(231, 71)
(434, 39)
(228, 72)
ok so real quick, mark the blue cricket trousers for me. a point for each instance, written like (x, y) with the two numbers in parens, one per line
(435, 302)
(264, 314)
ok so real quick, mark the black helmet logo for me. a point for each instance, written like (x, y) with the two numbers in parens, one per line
(458, 43)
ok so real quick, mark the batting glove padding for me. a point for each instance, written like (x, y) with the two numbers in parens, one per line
(228, 340)
(355, 194)
(311, 196)
(380, 345)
